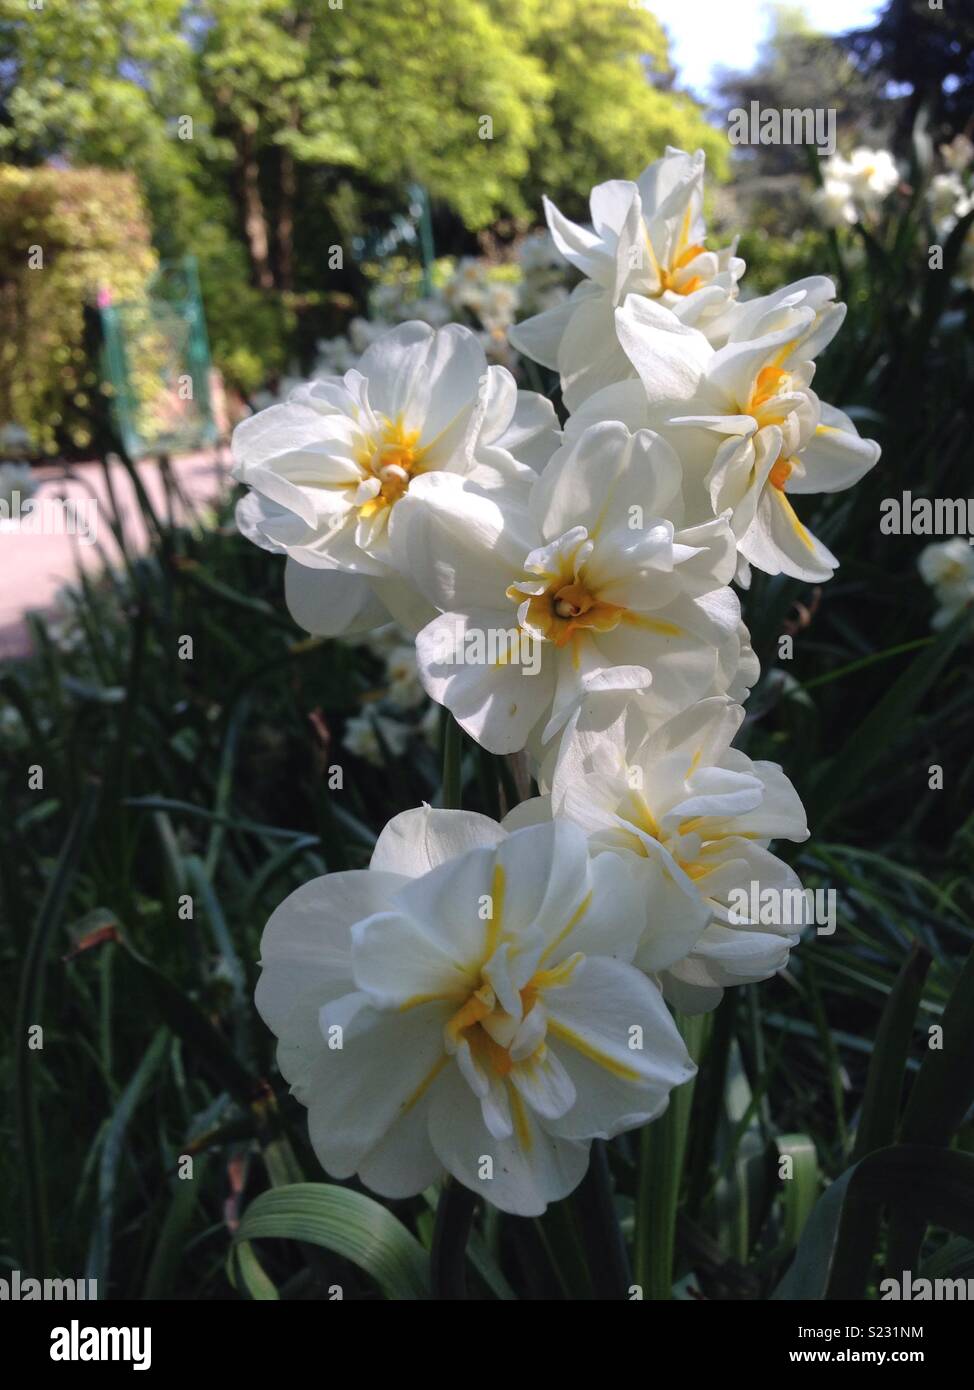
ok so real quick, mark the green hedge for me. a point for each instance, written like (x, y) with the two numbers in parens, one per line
(92, 231)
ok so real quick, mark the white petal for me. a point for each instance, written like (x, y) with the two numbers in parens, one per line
(580, 247)
(544, 1085)
(328, 602)
(527, 1171)
(499, 704)
(459, 546)
(539, 337)
(590, 357)
(416, 841)
(388, 1062)
(593, 1020)
(778, 542)
(532, 434)
(835, 457)
(307, 941)
(611, 204)
(669, 358)
(399, 959)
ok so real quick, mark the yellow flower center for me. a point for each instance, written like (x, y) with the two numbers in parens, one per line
(780, 474)
(393, 458)
(489, 1030)
(481, 1021)
(566, 608)
(770, 383)
(636, 810)
(670, 275)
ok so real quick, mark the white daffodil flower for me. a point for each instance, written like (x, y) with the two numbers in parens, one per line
(374, 737)
(834, 203)
(468, 1005)
(749, 430)
(595, 585)
(647, 238)
(948, 200)
(855, 185)
(872, 175)
(958, 154)
(328, 468)
(695, 817)
(736, 671)
(948, 568)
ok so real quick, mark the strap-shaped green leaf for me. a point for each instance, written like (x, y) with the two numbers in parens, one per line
(345, 1222)
(937, 1184)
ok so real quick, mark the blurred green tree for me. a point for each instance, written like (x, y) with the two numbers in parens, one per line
(265, 131)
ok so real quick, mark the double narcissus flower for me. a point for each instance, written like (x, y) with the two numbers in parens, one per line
(855, 185)
(648, 238)
(948, 567)
(328, 469)
(695, 817)
(596, 580)
(750, 431)
(468, 1005)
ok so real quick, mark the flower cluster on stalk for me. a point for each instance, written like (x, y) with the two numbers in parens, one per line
(487, 998)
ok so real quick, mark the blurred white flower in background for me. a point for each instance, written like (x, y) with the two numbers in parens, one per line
(853, 186)
(872, 175)
(405, 688)
(949, 200)
(373, 737)
(833, 202)
(958, 154)
(948, 568)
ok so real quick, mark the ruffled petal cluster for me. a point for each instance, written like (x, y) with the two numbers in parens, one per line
(468, 1005)
(486, 999)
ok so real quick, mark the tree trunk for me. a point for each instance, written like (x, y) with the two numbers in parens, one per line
(254, 217)
(285, 220)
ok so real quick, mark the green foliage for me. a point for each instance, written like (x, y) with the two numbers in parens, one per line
(773, 261)
(612, 107)
(310, 122)
(90, 229)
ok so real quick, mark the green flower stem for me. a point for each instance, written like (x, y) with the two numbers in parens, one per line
(595, 1213)
(451, 1231)
(662, 1152)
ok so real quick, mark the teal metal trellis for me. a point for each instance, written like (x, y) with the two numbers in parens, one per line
(156, 364)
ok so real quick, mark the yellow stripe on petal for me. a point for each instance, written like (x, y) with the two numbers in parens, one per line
(426, 1083)
(684, 236)
(416, 999)
(593, 1053)
(572, 923)
(495, 924)
(653, 261)
(799, 530)
(520, 1117)
(651, 624)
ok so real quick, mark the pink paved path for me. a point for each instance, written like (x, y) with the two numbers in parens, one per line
(33, 566)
